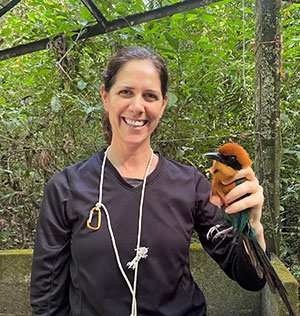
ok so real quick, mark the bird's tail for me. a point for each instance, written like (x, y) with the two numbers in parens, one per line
(264, 268)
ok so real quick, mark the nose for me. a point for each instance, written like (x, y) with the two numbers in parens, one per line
(136, 104)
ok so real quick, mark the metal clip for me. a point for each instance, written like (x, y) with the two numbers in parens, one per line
(89, 221)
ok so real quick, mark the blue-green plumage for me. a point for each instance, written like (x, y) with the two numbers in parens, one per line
(239, 221)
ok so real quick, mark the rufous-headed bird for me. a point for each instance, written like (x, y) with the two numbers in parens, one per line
(231, 158)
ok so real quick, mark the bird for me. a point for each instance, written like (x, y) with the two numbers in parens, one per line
(230, 158)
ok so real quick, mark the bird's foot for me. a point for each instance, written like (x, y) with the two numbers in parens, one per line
(212, 230)
(215, 232)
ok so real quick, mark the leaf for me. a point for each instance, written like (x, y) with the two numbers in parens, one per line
(6, 171)
(55, 104)
(6, 32)
(90, 109)
(203, 39)
(191, 17)
(178, 16)
(138, 29)
(207, 17)
(82, 22)
(219, 3)
(97, 85)
(81, 85)
(172, 99)
(284, 117)
(44, 71)
(179, 153)
(172, 40)
(28, 81)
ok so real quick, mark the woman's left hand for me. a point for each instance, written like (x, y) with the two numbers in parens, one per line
(254, 201)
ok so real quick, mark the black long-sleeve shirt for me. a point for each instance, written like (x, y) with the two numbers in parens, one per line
(74, 270)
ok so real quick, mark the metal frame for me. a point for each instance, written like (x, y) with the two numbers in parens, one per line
(104, 26)
(8, 7)
(97, 29)
(95, 12)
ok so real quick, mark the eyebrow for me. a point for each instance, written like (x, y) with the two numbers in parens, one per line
(132, 88)
(153, 91)
(125, 87)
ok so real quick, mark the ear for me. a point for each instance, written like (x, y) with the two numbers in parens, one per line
(104, 96)
(164, 104)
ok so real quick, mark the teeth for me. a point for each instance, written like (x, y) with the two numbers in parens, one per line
(134, 123)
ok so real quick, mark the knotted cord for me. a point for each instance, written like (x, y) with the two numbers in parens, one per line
(141, 252)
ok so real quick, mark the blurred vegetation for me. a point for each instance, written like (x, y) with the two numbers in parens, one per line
(50, 105)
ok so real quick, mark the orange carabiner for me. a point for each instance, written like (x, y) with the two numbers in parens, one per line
(89, 221)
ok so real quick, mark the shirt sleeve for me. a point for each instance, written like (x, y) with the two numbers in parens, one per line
(50, 265)
(230, 254)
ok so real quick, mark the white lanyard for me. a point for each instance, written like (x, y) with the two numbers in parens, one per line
(141, 252)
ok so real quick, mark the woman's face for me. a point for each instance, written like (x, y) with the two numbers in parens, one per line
(134, 103)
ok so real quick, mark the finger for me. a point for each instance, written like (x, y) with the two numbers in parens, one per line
(246, 173)
(240, 205)
(253, 201)
(247, 187)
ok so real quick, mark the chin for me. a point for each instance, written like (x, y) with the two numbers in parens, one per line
(135, 141)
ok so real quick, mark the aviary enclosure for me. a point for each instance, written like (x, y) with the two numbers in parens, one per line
(235, 76)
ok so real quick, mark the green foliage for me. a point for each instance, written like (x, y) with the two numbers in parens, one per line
(50, 104)
(290, 167)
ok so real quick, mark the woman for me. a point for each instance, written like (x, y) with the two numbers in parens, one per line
(114, 230)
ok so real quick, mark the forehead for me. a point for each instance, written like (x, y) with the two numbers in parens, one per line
(138, 71)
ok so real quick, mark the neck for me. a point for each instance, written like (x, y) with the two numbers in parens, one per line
(131, 162)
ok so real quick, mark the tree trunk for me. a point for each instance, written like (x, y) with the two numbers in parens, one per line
(267, 114)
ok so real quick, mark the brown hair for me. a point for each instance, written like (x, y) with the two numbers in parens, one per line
(123, 56)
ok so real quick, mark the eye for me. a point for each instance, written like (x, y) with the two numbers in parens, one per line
(216, 171)
(125, 93)
(150, 97)
(231, 159)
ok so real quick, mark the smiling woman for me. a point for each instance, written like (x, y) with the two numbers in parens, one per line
(127, 206)
(124, 56)
(134, 104)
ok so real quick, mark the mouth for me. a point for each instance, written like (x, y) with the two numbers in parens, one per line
(134, 123)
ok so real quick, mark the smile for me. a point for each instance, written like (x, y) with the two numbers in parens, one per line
(134, 123)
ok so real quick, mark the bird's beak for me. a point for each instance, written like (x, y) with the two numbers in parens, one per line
(214, 156)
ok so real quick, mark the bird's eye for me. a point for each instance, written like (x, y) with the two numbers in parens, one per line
(231, 158)
(233, 162)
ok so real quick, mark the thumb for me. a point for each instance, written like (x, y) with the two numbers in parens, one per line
(215, 199)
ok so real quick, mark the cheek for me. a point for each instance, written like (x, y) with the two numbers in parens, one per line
(156, 112)
(114, 106)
